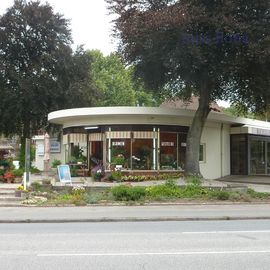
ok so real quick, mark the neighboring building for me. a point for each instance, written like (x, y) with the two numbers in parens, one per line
(154, 139)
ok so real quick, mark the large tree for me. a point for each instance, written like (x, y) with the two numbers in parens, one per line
(215, 49)
(116, 83)
(38, 70)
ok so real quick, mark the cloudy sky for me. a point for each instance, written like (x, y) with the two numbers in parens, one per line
(90, 22)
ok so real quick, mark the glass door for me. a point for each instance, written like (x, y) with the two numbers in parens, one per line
(258, 164)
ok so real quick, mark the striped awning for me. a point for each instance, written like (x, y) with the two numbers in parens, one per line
(94, 137)
(75, 138)
(118, 134)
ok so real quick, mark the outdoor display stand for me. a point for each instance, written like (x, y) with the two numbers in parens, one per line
(64, 174)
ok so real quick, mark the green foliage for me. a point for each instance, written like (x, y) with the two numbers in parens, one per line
(170, 183)
(116, 175)
(39, 72)
(220, 195)
(97, 176)
(77, 154)
(55, 163)
(36, 186)
(116, 82)
(258, 195)
(18, 172)
(127, 193)
(118, 160)
(162, 191)
(193, 180)
(34, 170)
(93, 198)
(78, 191)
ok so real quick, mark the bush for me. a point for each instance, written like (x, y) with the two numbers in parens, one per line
(194, 180)
(163, 191)
(220, 195)
(78, 190)
(116, 175)
(34, 170)
(36, 186)
(126, 193)
(257, 195)
(18, 172)
(170, 183)
(55, 163)
(92, 198)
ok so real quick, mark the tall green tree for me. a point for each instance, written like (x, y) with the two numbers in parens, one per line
(116, 83)
(215, 49)
(38, 70)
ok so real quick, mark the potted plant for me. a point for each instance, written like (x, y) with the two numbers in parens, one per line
(98, 175)
(118, 160)
(9, 177)
(18, 191)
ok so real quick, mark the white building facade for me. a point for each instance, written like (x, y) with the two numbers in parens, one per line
(154, 139)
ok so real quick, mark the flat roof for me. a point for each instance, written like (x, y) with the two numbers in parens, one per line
(141, 115)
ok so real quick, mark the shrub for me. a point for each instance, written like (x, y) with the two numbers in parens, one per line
(126, 193)
(18, 172)
(116, 175)
(163, 191)
(55, 163)
(34, 170)
(2, 172)
(78, 190)
(194, 180)
(36, 186)
(170, 183)
(92, 198)
(257, 195)
(220, 195)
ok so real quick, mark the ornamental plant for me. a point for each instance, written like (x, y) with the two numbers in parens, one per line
(9, 176)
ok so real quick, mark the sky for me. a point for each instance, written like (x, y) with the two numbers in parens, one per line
(90, 23)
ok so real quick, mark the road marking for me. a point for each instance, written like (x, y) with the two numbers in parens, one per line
(180, 253)
(226, 232)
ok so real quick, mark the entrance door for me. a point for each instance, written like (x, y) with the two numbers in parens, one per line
(258, 164)
(96, 153)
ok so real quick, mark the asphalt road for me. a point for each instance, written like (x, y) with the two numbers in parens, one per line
(136, 245)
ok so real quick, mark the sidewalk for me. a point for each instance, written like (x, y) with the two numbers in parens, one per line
(133, 213)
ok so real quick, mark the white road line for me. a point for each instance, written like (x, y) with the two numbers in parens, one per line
(181, 253)
(226, 232)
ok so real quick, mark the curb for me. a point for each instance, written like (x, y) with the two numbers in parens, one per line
(131, 219)
(137, 205)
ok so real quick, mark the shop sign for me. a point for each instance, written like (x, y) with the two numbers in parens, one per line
(55, 146)
(167, 143)
(118, 143)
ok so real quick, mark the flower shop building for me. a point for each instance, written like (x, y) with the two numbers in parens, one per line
(152, 139)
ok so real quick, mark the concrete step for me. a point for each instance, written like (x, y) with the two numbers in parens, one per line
(11, 198)
(7, 192)
(10, 203)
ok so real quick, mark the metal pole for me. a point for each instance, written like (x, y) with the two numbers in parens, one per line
(27, 162)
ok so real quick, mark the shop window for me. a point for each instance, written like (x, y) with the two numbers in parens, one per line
(142, 154)
(120, 153)
(168, 151)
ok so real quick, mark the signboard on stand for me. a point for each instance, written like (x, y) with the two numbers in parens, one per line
(64, 174)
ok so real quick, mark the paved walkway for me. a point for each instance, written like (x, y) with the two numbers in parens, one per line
(134, 213)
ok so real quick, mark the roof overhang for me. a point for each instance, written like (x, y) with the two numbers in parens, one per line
(140, 115)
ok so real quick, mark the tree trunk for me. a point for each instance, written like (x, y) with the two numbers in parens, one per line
(192, 166)
(25, 135)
